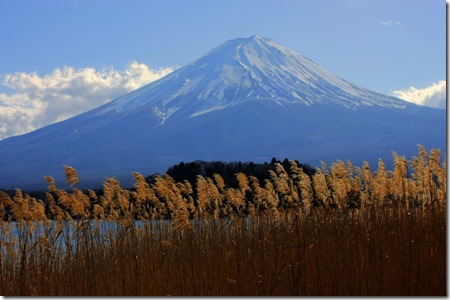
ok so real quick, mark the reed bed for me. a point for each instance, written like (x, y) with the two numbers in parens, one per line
(344, 231)
(321, 254)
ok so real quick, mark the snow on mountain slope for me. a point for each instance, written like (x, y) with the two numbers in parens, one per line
(247, 69)
(248, 99)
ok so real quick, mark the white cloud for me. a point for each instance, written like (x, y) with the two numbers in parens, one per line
(391, 23)
(433, 95)
(37, 101)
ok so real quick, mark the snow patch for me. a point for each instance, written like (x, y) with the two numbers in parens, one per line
(208, 110)
(163, 115)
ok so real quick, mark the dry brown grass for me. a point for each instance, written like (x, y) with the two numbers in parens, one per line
(325, 253)
(344, 231)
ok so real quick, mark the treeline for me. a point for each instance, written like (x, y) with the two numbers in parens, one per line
(190, 171)
(217, 190)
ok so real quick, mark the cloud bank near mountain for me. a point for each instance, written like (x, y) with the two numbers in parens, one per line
(36, 101)
(432, 96)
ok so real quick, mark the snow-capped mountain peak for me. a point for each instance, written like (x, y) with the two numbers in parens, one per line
(247, 69)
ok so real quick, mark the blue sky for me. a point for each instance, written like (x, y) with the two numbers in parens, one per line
(389, 46)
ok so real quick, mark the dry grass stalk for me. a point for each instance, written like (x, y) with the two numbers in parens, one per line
(219, 182)
(71, 175)
(180, 220)
(243, 182)
(202, 194)
(381, 183)
(321, 189)
(306, 191)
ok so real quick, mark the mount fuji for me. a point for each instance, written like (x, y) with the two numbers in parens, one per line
(249, 99)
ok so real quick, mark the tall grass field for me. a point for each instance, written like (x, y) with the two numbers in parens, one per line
(341, 231)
